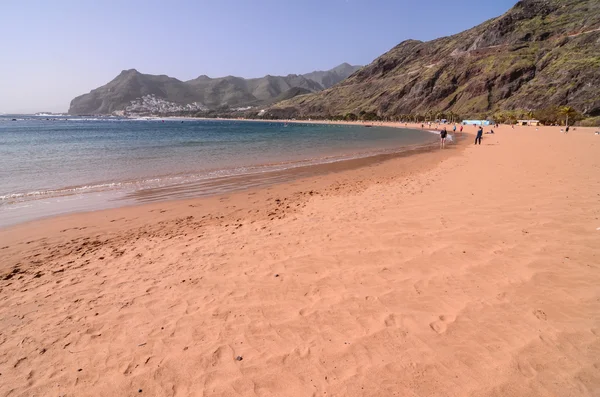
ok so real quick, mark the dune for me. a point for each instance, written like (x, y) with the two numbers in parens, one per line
(471, 271)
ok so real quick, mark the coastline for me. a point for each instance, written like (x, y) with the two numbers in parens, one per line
(468, 271)
(115, 193)
(323, 175)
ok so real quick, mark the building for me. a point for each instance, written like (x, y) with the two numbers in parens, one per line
(476, 122)
(534, 123)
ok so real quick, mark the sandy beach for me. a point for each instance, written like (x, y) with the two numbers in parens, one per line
(472, 271)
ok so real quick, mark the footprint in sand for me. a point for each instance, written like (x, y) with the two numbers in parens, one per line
(390, 321)
(526, 368)
(440, 326)
(304, 312)
(540, 314)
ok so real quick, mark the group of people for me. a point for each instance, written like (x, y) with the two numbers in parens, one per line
(478, 137)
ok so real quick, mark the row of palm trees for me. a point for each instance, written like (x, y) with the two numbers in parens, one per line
(409, 117)
(563, 115)
(550, 115)
(451, 117)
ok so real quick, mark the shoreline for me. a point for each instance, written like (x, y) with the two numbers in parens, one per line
(320, 169)
(117, 195)
(322, 174)
(467, 271)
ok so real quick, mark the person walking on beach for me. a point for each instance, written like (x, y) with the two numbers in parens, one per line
(479, 135)
(443, 135)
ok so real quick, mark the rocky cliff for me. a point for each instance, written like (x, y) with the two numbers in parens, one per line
(539, 53)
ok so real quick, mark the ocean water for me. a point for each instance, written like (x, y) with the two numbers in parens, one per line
(54, 165)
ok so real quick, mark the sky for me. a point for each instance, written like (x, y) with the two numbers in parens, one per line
(53, 51)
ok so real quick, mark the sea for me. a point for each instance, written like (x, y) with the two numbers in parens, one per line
(52, 165)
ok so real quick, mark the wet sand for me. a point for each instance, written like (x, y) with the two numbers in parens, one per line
(469, 271)
(165, 178)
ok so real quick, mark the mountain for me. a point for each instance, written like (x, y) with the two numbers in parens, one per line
(236, 91)
(128, 86)
(331, 77)
(137, 92)
(291, 93)
(539, 53)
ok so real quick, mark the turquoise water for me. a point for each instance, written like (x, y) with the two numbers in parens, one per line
(56, 165)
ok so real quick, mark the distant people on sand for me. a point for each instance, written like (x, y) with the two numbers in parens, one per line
(454, 129)
(443, 135)
(479, 135)
(491, 132)
(461, 128)
(567, 130)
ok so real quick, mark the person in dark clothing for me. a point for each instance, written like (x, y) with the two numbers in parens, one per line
(443, 135)
(479, 135)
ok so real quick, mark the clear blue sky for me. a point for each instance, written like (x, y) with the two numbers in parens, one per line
(55, 50)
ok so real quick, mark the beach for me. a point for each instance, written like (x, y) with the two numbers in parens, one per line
(81, 164)
(470, 271)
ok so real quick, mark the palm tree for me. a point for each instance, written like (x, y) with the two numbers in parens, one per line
(429, 115)
(452, 116)
(567, 111)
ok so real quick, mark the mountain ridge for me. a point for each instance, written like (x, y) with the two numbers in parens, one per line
(129, 88)
(538, 53)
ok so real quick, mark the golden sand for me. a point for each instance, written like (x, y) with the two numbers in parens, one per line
(473, 271)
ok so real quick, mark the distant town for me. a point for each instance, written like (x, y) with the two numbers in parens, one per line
(150, 105)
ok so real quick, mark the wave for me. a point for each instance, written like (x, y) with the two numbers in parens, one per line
(96, 119)
(128, 186)
(39, 193)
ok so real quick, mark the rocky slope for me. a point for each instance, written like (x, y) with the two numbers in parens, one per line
(539, 53)
(331, 77)
(130, 88)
